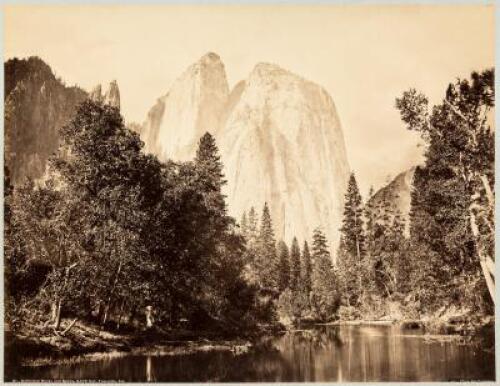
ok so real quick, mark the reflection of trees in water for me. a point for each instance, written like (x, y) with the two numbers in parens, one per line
(331, 354)
(319, 338)
(308, 351)
(224, 367)
(106, 368)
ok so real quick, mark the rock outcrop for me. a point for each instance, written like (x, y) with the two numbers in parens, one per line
(96, 94)
(37, 105)
(282, 142)
(110, 97)
(193, 105)
(398, 195)
(279, 136)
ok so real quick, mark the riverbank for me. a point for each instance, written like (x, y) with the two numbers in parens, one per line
(298, 356)
(450, 326)
(84, 342)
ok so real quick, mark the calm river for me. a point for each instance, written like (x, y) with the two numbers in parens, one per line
(324, 354)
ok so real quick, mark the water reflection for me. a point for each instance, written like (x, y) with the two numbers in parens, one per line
(326, 354)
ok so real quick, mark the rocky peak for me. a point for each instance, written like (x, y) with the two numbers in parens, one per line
(269, 70)
(208, 66)
(279, 137)
(282, 135)
(96, 94)
(398, 195)
(193, 105)
(210, 58)
(111, 97)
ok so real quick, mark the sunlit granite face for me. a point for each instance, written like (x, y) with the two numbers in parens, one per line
(279, 136)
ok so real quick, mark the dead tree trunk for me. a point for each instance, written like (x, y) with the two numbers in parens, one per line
(483, 258)
(57, 321)
(53, 312)
(485, 262)
(489, 280)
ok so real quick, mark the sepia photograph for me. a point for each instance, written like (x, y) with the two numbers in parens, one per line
(249, 193)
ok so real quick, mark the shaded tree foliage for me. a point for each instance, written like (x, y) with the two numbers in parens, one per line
(295, 282)
(284, 273)
(324, 297)
(452, 196)
(118, 232)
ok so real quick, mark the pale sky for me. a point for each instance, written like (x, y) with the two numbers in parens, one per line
(364, 56)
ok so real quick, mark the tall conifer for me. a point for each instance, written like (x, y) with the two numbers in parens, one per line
(306, 269)
(266, 260)
(324, 294)
(284, 266)
(295, 265)
(352, 234)
(211, 179)
(352, 223)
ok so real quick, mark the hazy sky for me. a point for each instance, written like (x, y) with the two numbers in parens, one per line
(364, 56)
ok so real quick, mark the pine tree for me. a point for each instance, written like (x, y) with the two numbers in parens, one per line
(295, 278)
(387, 211)
(211, 179)
(352, 223)
(266, 259)
(320, 247)
(347, 271)
(325, 298)
(306, 269)
(380, 252)
(353, 238)
(284, 267)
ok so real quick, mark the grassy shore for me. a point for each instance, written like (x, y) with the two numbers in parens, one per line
(435, 326)
(84, 341)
